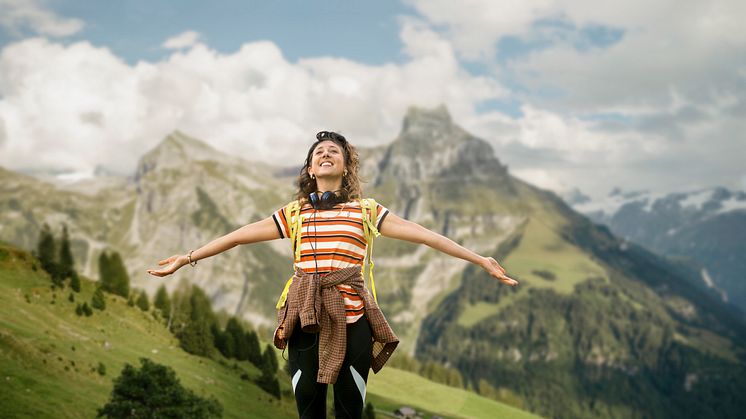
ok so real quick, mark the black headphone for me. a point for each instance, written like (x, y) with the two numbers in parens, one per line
(327, 200)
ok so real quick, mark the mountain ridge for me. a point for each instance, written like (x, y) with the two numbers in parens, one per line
(438, 175)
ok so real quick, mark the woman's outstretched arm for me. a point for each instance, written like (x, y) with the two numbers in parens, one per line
(398, 228)
(259, 231)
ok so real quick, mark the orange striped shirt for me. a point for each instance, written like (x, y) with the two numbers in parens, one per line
(331, 240)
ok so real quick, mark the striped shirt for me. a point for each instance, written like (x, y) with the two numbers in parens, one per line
(336, 238)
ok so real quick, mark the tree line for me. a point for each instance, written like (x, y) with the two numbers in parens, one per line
(187, 314)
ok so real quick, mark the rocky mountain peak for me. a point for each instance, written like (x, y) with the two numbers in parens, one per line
(176, 150)
(421, 120)
(431, 144)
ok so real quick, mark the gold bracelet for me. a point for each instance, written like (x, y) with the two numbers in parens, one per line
(189, 258)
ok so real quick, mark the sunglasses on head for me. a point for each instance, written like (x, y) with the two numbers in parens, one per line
(330, 135)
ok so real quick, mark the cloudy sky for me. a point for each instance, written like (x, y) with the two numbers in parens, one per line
(638, 94)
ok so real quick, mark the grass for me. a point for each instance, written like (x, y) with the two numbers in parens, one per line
(49, 354)
(391, 384)
(474, 313)
(542, 249)
(49, 358)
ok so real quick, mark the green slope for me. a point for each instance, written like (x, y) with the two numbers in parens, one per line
(390, 384)
(49, 356)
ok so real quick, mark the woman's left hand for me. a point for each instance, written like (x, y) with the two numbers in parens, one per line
(493, 268)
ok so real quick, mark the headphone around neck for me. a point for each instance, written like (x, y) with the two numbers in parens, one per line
(327, 200)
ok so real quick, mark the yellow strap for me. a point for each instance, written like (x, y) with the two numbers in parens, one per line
(371, 232)
(284, 295)
(372, 283)
(295, 224)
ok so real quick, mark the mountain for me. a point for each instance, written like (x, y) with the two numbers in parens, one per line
(183, 194)
(704, 226)
(598, 327)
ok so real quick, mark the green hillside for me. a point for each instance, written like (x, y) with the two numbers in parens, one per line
(49, 358)
(596, 329)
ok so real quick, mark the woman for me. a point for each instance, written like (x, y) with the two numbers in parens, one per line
(334, 329)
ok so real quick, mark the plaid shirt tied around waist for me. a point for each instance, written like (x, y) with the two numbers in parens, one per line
(314, 301)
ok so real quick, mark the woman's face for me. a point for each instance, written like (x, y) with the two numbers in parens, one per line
(327, 160)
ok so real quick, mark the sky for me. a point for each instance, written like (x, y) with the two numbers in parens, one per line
(641, 95)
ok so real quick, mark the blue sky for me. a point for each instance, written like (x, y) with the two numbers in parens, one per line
(562, 90)
(134, 30)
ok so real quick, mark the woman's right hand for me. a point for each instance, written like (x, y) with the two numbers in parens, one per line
(175, 262)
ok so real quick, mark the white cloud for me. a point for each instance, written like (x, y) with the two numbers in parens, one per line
(79, 106)
(475, 26)
(687, 49)
(17, 15)
(675, 81)
(183, 40)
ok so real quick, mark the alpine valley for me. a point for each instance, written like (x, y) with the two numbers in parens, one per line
(599, 327)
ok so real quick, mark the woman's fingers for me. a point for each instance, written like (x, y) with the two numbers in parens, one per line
(165, 271)
(508, 280)
(169, 260)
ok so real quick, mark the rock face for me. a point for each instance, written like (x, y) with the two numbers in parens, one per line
(705, 226)
(598, 327)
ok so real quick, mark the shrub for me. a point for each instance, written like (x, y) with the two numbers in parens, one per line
(154, 391)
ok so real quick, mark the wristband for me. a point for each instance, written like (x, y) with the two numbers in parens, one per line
(189, 258)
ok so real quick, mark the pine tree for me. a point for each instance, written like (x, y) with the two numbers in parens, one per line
(269, 360)
(66, 264)
(45, 250)
(181, 308)
(113, 274)
(142, 301)
(71, 297)
(223, 341)
(255, 351)
(104, 272)
(162, 301)
(235, 330)
(79, 310)
(74, 281)
(268, 380)
(196, 338)
(121, 279)
(87, 310)
(98, 301)
(229, 345)
(201, 306)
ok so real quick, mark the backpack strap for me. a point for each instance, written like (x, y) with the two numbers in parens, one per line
(295, 223)
(369, 208)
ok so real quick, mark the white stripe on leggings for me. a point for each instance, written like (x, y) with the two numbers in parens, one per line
(296, 378)
(359, 382)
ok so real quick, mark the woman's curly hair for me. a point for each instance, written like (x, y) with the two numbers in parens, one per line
(350, 189)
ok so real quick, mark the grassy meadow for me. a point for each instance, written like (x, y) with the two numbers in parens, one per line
(49, 359)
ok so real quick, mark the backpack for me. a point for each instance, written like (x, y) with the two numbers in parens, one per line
(294, 221)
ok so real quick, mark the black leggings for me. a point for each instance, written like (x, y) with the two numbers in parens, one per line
(349, 390)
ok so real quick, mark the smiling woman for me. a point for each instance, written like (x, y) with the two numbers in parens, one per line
(328, 319)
